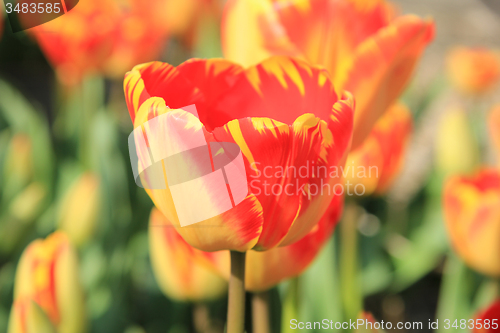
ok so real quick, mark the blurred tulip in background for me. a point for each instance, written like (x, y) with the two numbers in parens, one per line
(377, 162)
(47, 286)
(494, 129)
(457, 150)
(183, 272)
(79, 209)
(264, 109)
(374, 61)
(486, 318)
(264, 269)
(79, 42)
(472, 216)
(473, 70)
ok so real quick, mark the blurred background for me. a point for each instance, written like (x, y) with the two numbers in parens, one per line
(64, 157)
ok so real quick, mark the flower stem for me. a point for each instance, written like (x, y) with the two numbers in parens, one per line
(349, 272)
(236, 303)
(260, 312)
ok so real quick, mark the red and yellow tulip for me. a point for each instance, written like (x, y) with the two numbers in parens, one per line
(473, 70)
(172, 16)
(183, 272)
(98, 37)
(282, 113)
(136, 40)
(367, 49)
(47, 287)
(472, 214)
(488, 319)
(79, 42)
(186, 273)
(377, 162)
(79, 209)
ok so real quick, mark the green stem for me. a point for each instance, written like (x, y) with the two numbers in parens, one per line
(236, 302)
(260, 312)
(454, 292)
(349, 275)
(290, 308)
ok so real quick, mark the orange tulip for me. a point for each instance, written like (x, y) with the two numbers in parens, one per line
(374, 165)
(79, 42)
(283, 114)
(172, 16)
(98, 37)
(188, 274)
(473, 70)
(472, 214)
(488, 320)
(183, 272)
(370, 325)
(47, 287)
(367, 50)
(494, 127)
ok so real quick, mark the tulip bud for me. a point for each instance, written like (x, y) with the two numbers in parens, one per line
(47, 274)
(375, 164)
(494, 127)
(79, 209)
(472, 216)
(27, 317)
(368, 324)
(473, 70)
(183, 272)
(488, 320)
(456, 147)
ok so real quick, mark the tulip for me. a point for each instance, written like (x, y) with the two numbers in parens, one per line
(136, 40)
(473, 70)
(79, 42)
(488, 320)
(472, 216)
(370, 325)
(172, 16)
(27, 317)
(456, 147)
(98, 36)
(374, 165)
(79, 209)
(267, 110)
(47, 285)
(183, 272)
(494, 128)
(365, 47)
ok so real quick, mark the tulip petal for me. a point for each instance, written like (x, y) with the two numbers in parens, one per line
(280, 88)
(377, 162)
(156, 79)
(237, 228)
(266, 269)
(251, 32)
(491, 313)
(324, 32)
(282, 164)
(382, 67)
